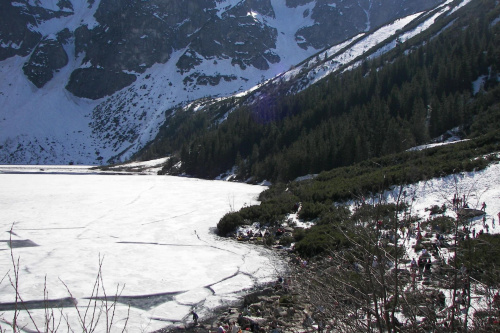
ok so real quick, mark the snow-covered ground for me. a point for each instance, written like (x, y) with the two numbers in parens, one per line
(477, 188)
(154, 235)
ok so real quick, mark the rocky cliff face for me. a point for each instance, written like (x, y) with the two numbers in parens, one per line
(335, 21)
(47, 57)
(134, 35)
(137, 59)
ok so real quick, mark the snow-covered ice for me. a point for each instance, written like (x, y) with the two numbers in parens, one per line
(155, 236)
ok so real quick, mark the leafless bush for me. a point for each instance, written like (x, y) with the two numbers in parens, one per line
(99, 311)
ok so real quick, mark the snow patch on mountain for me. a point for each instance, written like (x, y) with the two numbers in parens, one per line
(52, 117)
(83, 14)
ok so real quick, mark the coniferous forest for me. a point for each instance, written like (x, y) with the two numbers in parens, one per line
(414, 93)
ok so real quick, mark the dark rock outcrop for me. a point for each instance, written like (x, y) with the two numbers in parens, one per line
(238, 35)
(95, 83)
(16, 36)
(134, 35)
(49, 56)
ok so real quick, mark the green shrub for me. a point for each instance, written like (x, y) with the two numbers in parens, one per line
(287, 299)
(435, 209)
(335, 215)
(299, 234)
(312, 210)
(269, 240)
(229, 223)
(286, 240)
(481, 256)
(378, 212)
(320, 239)
(443, 224)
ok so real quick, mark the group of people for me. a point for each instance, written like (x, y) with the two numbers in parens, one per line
(423, 265)
(439, 243)
(458, 202)
(461, 298)
(232, 327)
(243, 236)
(282, 284)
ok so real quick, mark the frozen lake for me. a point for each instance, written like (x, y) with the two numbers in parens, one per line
(154, 234)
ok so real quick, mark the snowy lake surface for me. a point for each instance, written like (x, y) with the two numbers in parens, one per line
(154, 234)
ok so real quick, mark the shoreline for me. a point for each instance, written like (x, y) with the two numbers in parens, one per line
(261, 310)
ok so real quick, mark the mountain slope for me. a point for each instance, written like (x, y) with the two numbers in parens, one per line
(446, 76)
(91, 81)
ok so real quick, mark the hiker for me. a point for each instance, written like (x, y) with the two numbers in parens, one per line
(286, 285)
(428, 266)
(441, 299)
(436, 245)
(496, 300)
(413, 277)
(321, 326)
(221, 329)
(421, 265)
(240, 319)
(246, 311)
(234, 328)
(308, 321)
(458, 300)
(413, 264)
(466, 285)
(483, 207)
(195, 317)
